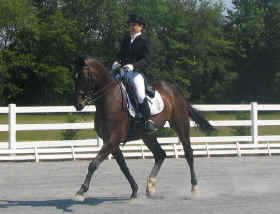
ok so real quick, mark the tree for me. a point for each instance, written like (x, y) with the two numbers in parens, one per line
(37, 62)
(190, 48)
(14, 15)
(255, 32)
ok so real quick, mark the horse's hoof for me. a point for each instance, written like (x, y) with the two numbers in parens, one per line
(150, 194)
(79, 198)
(133, 196)
(195, 192)
(151, 187)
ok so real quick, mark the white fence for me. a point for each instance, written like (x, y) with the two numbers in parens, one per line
(85, 149)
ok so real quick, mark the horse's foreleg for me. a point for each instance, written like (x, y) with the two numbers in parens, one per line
(85, 186)
(118, 155)
(103, 153)
(159, 155)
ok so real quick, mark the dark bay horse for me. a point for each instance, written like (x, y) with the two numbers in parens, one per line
(115, 126)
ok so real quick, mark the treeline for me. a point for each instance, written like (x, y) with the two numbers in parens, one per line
(212, 54)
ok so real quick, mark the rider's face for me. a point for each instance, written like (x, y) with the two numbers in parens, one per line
(135, 28)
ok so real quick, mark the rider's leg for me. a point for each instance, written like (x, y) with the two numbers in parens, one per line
(136, 94)
(138, 83)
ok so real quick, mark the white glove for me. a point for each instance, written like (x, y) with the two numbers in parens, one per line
(128, 67)
(116, 65)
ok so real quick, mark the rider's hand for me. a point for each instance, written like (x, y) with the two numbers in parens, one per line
(128, 67)
(116, 65)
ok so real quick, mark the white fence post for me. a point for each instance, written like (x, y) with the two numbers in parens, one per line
(12, 126)
(254, 119)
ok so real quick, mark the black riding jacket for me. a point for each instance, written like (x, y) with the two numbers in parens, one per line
(138, 53)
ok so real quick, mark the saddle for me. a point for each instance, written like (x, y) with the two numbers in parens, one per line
(149, 90)
(155, 101)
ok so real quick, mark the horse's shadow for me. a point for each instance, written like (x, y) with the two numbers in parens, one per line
(63, 204)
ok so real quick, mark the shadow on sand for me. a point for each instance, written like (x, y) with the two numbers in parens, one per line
(63, 204)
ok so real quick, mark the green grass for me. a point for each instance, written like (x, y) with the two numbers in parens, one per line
(88, 117)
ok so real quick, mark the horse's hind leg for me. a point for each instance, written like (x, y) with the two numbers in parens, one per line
(182, 128)
(159, 155)
(118, 155)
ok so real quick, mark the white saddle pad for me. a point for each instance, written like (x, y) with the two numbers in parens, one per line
(156, 104)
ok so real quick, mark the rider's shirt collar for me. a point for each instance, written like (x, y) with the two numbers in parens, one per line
(133, 36)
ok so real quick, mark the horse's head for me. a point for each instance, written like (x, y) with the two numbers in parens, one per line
(84, 81)
(90, 79)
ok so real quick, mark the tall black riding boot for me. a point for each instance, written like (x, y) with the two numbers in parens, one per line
(150, 126)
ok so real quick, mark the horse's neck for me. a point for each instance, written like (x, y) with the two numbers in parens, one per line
(106, 89)
(104, 80)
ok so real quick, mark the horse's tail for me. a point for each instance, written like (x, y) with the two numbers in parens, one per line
(198, 118)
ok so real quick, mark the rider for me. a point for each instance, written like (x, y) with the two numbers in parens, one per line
(134, 57)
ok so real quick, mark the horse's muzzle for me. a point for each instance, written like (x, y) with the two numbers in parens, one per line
(80, 101)
(79, 106)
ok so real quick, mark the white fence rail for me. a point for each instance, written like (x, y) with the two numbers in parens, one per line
(84, 149)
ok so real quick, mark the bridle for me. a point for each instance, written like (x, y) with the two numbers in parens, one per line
(90, 95)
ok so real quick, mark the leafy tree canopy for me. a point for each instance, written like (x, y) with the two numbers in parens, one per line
(212, 55)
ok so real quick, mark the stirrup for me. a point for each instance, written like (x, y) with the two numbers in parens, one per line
(150, 126)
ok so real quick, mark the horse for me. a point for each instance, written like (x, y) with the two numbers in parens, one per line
(115, 126)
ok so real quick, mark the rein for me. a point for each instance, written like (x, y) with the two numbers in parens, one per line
(93, 97)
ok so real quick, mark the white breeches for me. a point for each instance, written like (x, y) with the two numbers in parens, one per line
(137, 81)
